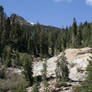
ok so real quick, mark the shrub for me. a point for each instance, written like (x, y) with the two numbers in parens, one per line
(21, 88)
(11, 82)
(60, 84)
(7, 56)
(79, 70)
(77, 89)
(35, 88)
(87, 84)
(2, 73)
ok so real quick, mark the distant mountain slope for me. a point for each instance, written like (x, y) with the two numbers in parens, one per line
(22, 21)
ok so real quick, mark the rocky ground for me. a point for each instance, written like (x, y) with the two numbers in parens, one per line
(77, 63)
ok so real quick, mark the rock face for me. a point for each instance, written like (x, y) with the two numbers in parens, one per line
(51, 66)
(77, 63)
(19, 19)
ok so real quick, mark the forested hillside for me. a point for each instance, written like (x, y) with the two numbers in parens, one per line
(40, 40)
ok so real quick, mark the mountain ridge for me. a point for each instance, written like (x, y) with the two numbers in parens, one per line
(19, 19)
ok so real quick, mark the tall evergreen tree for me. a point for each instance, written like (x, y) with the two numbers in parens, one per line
(6, 56)
(35, 85)
(44, 45)
(87, 84)
(2, 28)
(74, 33)
(27, 66)
(44, 76)
(79, 36)
(62, 71)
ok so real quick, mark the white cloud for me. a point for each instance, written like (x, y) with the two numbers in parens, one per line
(89, 2)
(62, 0)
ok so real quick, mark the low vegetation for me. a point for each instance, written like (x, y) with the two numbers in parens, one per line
(11, 81)
(87, 84)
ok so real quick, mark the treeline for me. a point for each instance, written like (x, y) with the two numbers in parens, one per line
(39, 40)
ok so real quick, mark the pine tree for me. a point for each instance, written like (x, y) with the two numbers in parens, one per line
(87, 84)
(44, 45)
(44, 71)
(62, 68)
(2, 29)
(52, 43)
(35, 85)
(79, 36)
(37, 38)
(6, 56)
(27, 66)
(44, 76)
(35, 88)
(74, 33)
(8, 31)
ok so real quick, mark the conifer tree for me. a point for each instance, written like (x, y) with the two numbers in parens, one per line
(44, 76)
(79, 36)
(87, 84)
(52, 43)
(62, 68)
(44, 45)
(8, 31)
(6, 56)
(35, 85)
(27, 66)
(2, 29)
(74, 33)
(35, 88)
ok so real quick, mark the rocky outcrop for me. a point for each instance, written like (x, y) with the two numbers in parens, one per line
(51, 66)
(78, 61)
(77, 64)
(19, 19)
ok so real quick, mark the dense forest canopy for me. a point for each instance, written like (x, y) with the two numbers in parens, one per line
(39, 40)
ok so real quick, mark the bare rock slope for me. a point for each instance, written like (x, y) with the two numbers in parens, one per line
(77, 63)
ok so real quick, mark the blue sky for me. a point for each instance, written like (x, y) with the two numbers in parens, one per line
(50, 12)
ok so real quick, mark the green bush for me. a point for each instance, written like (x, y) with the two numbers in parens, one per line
(77, 89)
(21, 88)
(11, 82)
(2, 73)
(87, 84)
(60, 84)
(35, 88)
